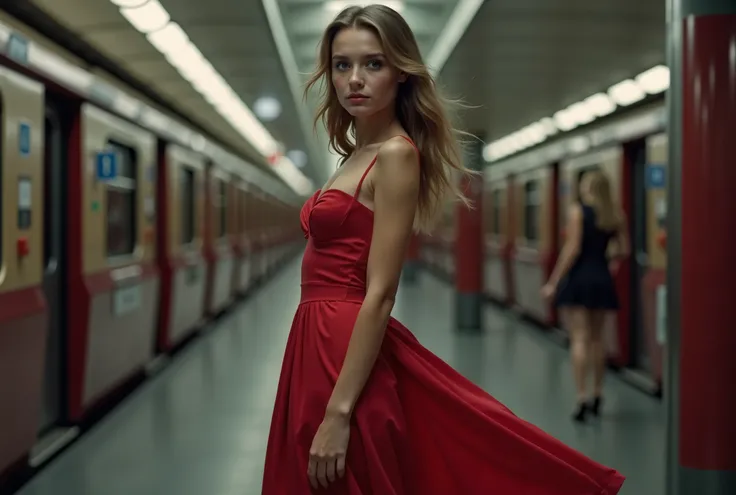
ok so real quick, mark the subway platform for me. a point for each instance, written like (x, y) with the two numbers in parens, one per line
(200, 426)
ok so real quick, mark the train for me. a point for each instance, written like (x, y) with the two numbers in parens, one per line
(524, 202)
(123, 232)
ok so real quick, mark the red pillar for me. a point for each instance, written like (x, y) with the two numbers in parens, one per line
(701, 241)
(411, 263)
(469, 246)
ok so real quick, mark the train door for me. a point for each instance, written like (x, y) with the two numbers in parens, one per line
(54, 263)
(639, 358)
(649, 211)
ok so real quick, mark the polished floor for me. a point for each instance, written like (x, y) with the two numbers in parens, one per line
(200, 426)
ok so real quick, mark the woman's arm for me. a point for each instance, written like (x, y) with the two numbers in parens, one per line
(623, 248)
(573, 242)
(396, 186)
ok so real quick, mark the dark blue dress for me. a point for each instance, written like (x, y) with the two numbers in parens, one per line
(589, 282)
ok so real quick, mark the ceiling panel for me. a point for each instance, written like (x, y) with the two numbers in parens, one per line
(233, 34)
(522, 60)
(519, 61)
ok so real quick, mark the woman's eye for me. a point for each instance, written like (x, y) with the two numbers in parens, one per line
(341, 65)
(374, 64)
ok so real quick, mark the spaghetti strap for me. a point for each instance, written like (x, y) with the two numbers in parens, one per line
(373, 162)
(360, 184)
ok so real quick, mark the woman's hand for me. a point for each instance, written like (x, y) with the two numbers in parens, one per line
(328, 451)
(548, 291)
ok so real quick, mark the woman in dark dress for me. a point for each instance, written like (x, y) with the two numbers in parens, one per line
(582, 285)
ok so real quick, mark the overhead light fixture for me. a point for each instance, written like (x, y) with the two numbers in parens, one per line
(340, 5)
(147, 18)
(267, 108)
(600, 104)
(653, 81)
(298, 158)
(128, 3)
(626, 93)
(174, 44)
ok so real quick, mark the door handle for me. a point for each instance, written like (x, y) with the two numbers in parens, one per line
(51, 267)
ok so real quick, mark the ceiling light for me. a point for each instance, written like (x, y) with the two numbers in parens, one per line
(171, 41)
(655, 80)
(340, 5)
(267, 108)
(298, 157)
(564, 120)
(626, 92)
(128, 3)
(149, 17)
(600, 104)
(652, 81)
(548, 124)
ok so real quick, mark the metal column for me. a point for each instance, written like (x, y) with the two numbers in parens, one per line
(469, 245)
(701, 270)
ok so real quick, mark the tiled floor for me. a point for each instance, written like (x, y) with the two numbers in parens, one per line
(200, 426)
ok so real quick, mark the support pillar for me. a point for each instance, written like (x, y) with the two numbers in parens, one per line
(469, 246)
(701, 272)
(410, 271)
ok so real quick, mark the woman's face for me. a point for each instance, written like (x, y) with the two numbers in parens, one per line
(364, 81)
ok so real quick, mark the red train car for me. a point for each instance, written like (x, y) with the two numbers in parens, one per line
(121, 232)
(525, 200)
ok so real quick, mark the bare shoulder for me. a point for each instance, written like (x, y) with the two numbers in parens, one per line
(397, 161)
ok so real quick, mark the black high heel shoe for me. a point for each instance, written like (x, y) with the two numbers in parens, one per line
(581, 412)
(595, 405)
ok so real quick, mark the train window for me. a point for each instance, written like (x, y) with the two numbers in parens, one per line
(497, 211)
(222, 206)
(531, 210)
(121, 202)
(187, 205)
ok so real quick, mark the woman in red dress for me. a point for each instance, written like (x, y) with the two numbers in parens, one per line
(362, 407)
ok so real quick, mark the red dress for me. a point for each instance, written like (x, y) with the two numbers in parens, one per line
(419, 427)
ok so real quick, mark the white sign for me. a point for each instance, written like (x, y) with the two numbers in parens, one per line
(126, 300)
(24, 194)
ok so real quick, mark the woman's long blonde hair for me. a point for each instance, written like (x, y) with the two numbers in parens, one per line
(607, 214)
(419, 107)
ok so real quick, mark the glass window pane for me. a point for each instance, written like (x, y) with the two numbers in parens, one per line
(122, 204)
(120, 222)
(187, 205)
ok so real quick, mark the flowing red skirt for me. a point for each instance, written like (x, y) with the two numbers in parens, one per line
(420, 427)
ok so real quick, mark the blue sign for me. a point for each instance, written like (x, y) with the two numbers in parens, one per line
(656, 177)
(107, 165)
(17, 48)
(24, 139)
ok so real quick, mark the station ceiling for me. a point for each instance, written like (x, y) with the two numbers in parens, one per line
(518, 60)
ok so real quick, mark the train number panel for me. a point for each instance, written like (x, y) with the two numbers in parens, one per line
(114, 287)
(23, 314)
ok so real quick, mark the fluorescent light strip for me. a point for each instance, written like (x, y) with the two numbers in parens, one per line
(450, 36)
(653, 81)
(149, 17)
(174, 44)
